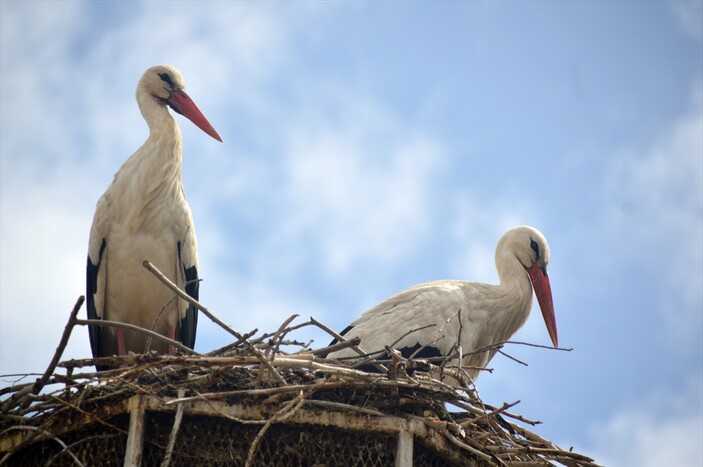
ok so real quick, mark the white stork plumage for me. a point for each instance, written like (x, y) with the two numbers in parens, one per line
(471, 314)
(144, 215)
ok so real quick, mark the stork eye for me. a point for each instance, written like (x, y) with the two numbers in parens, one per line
(165, 77)
(535, 247)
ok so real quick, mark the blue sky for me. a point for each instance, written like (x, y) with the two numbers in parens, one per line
(372, 146)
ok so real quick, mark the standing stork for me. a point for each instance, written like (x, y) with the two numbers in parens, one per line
(447, 313)
(144, 215)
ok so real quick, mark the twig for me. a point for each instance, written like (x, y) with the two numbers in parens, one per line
(233, 345)
(278, 335)
(77, 443)
(355, 341)
(174, 431)
(438, 336)
(286, 412)
(548, 347)
(346, 407)
(165, 280)
(41, 382)
(44, 432)
(147, 346)
(132, 327)
(503, 408)
(339, 338)
(511, 357)
(414, 330)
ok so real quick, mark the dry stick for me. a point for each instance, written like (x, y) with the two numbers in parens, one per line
(295, 361)
(265, 336)
(521, 418)
(131, 327)
(548, 347)
(147, 346)
(232, 345)
(339, 338)
(114, 360)
(41, 382)
(159, 275)
(410, 332)
(345, 407)
(338, 346)
(273, 346)
(89, 415)
(434, 341)
(438, 336)
(503, 408)
(286, 412)
(228, 416)
(174, 430)
(39, 431)
(511, 357)
(17, 387)
(460, 349)
(278, 333)
(453, 439)
(298, 387)
(62, 345)
(82, 440)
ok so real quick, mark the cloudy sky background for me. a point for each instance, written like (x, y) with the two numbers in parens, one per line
(372, 146)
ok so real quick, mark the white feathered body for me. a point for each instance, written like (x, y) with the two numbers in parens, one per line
(471, 314)
(144, 215)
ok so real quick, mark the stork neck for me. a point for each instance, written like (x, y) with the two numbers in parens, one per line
(513, 275)
(164, 144)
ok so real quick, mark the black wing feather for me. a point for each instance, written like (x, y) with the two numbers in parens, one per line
(95, 332)
(189, 323)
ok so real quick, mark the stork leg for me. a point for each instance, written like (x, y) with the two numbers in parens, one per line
(120, 342)
(171, 335)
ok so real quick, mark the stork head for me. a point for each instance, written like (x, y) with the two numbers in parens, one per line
(529, 246)
(166, 84)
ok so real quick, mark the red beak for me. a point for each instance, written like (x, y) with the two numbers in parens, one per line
(543, 290)
(184, 105)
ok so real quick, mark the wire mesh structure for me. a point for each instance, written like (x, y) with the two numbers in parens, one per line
(209, 438)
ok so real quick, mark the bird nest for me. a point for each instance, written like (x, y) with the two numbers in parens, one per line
(264, 399)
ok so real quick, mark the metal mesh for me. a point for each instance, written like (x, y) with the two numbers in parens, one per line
(215, 441)
(424, 456)
(210, 441)
(92, 445)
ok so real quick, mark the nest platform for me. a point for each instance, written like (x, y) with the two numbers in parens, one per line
(253, 404)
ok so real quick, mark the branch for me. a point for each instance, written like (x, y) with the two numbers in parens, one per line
(286, 412)
(338, 346)
(131, 327)
(165, 280)
(41, 382)
(44, 432)
(174, 431)
(503, 408)
(339, 338)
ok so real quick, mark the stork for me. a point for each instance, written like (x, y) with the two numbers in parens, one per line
(144, 215)
(448, 313)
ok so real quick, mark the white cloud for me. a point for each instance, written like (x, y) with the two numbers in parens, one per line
(360, 201)
(690, 16)
(664, 429)
(654, 214)
(44, 240)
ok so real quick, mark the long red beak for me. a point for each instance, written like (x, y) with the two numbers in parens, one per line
(543, 290)
(184, 105)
